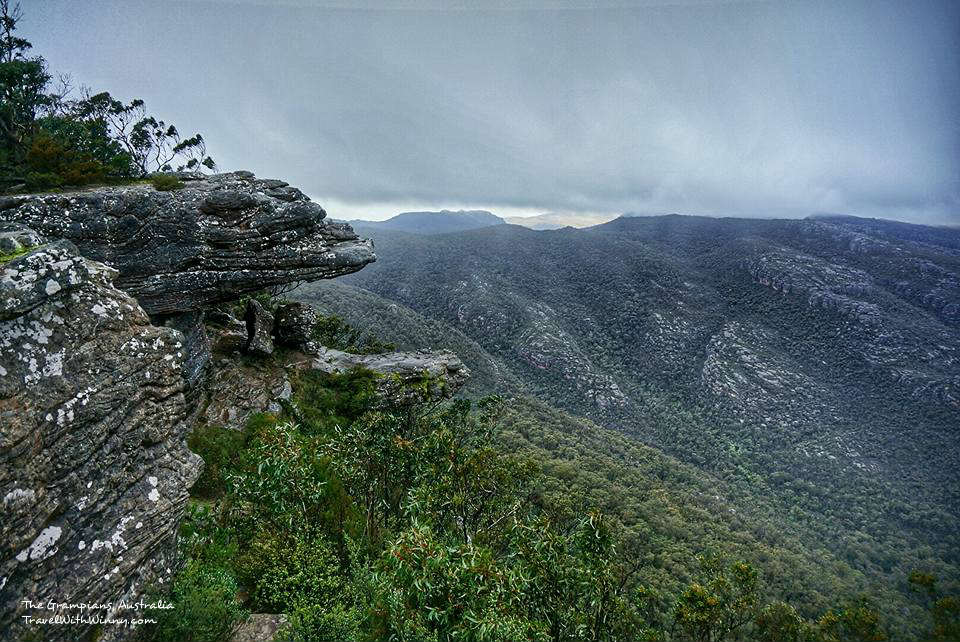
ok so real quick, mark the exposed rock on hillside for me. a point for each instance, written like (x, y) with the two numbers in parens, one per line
(915, 350)
(212, 241)
(908, 259)
(240, 387)
(96, 402)
(405, 377)
(294, 324)
(825, 284)
(748, 374)
(94, 470)
(259, 329)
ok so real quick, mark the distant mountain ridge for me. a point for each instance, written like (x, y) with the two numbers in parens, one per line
(442, 222)
(556, 221)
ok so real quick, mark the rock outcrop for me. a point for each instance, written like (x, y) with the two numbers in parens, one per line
(294, 324)
(824, 284)
(105, 365)
(94, 469)
(217, 238)
(259, 627)
(181, 251)
(259, 329)
(240, 387)
(404, 377)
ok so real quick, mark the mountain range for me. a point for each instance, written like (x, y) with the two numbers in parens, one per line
(446, 221)
(441, 222)
(555, 221)
(810, 367)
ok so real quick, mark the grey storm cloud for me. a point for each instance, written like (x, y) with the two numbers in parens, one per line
(728, 108)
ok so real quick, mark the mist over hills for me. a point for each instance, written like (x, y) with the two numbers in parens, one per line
(555, 221)
(814, 362)
(441, 222)
(446, 221)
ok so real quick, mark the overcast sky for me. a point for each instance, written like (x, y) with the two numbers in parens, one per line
(726, 108)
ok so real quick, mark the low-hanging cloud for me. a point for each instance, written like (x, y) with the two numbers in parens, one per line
(730, 108)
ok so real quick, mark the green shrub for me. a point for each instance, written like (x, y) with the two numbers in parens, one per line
(165, 182)
(205, 536)
(334, 332)
(6, 258)
(37, 181)
(297, 570)
(281, 478)
(205, 607)
(218, 446)
(328, 400)
(335, 623)
(53, 162)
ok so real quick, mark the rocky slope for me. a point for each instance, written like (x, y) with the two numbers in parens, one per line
(105, 366)
(245, 381)
(217, 238)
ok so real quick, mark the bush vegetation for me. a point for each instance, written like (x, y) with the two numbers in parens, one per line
(52, 137)
(845, 478)
(440, 522)
(165, 182)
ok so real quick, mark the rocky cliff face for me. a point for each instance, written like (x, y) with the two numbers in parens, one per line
(94, 470)
(105, 367)
(217, 238)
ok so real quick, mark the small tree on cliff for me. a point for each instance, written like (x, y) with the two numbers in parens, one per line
(152, 144)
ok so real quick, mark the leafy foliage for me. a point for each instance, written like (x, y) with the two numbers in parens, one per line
(218, 447)
(49, 140)
(944, 609)
(657, 328)
(206, 608)
(457, 522)
(721, 606)
(332, 332)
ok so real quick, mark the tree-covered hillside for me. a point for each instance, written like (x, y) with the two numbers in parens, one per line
(495, 521)
(54, 134)
(813, 363)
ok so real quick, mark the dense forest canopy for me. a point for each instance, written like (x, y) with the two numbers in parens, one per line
(466, 521)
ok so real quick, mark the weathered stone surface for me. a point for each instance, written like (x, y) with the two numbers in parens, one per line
(196, 345)
(259, 329)
(16, 238)
(240, 387)
(212, 241)
(405, 376)
(825, 284)
(94, 469)
(913, 350)
(237, 390)
(294, 324)
(38, 275)
(228, 334)
(259, 627)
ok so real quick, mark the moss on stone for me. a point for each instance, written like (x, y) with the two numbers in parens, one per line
(6, 258)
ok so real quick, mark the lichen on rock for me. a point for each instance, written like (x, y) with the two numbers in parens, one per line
(94, 470)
